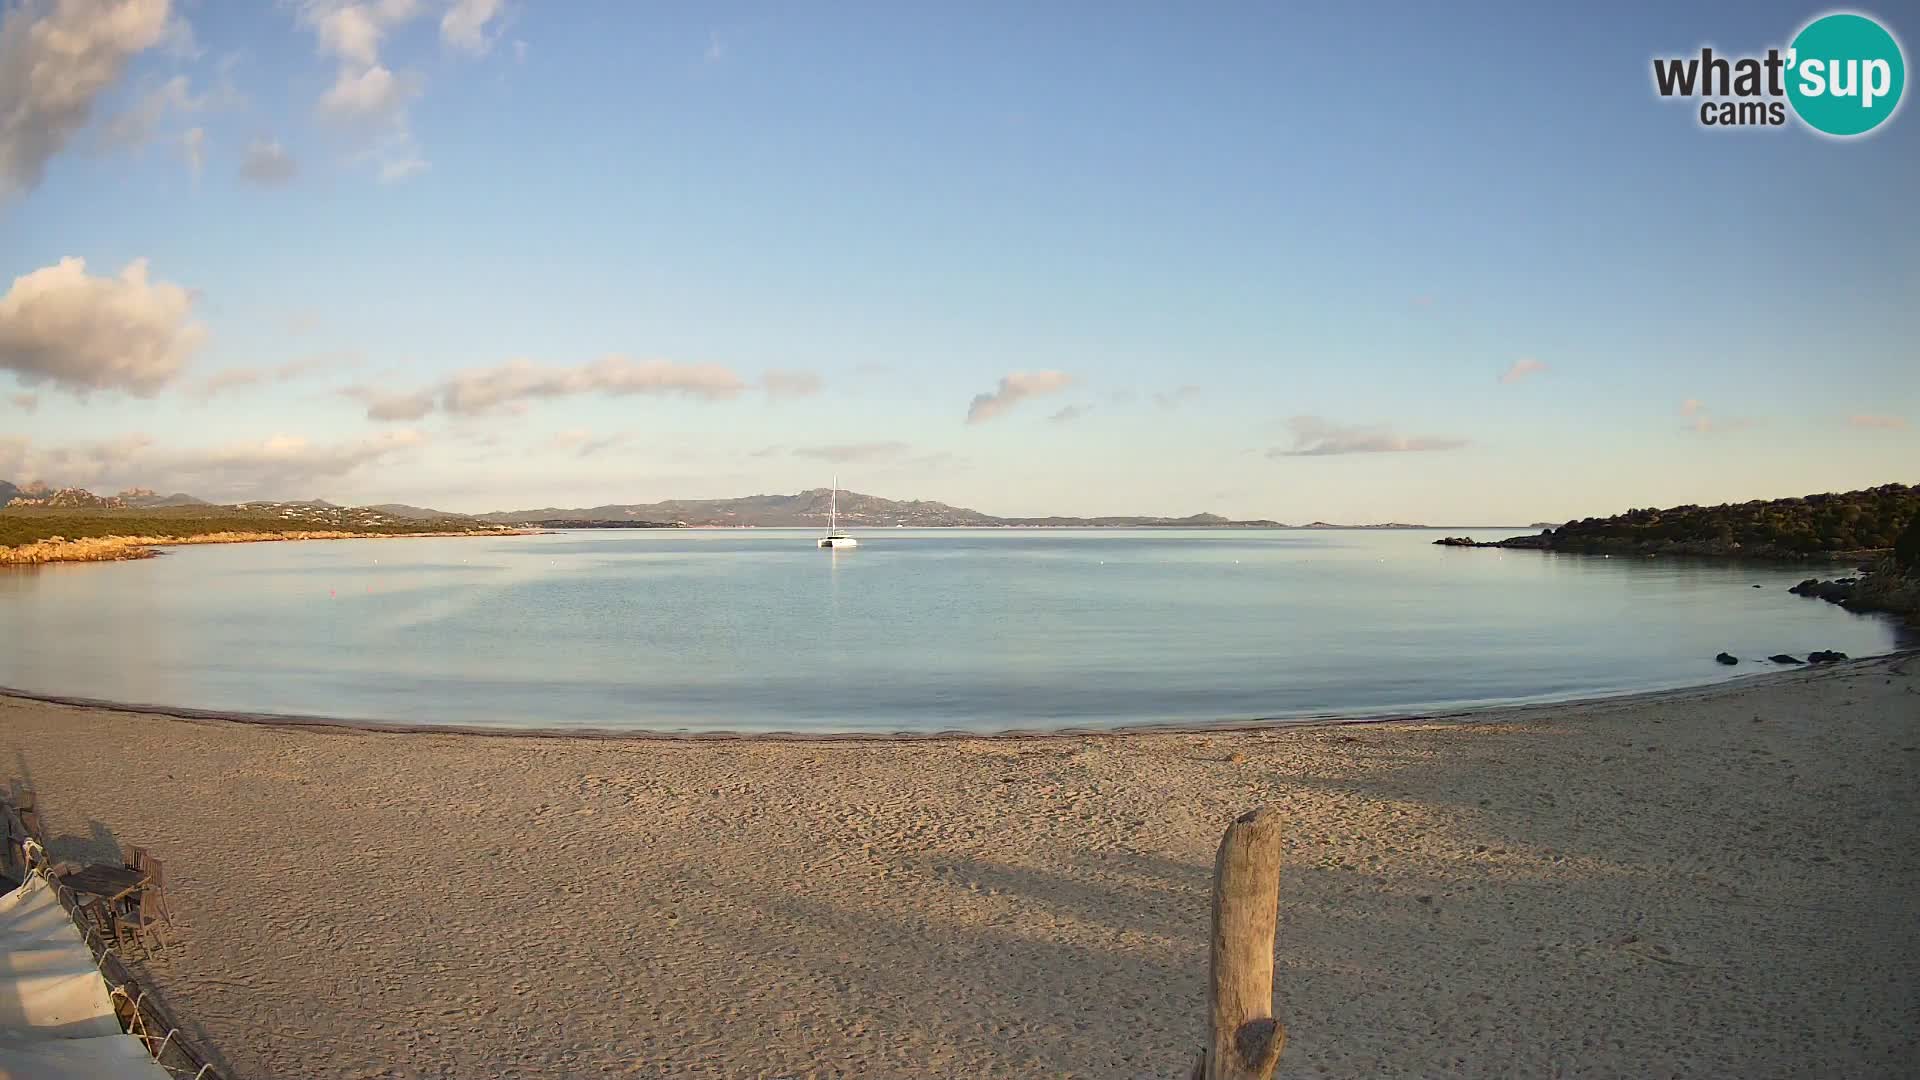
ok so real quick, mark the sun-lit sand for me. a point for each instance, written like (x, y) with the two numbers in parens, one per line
(1712, 883)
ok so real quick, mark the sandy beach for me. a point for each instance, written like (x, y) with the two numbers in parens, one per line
(1713, 883)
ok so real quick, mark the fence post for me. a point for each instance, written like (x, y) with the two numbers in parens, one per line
(1244, 1040)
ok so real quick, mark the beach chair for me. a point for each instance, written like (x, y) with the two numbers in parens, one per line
(156, 891)
(136, 918)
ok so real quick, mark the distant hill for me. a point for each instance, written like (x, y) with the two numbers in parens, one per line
(7, 492)
(412, 513)
(809, 508)
(143, 499)
(67, 499)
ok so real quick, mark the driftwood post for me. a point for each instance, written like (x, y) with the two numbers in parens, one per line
(1244, 1040)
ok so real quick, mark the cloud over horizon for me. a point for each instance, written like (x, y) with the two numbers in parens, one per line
(791, 384)
(1314, 436)
(59, 325)
(277, 467)
(1873, 421)
(1014, 389)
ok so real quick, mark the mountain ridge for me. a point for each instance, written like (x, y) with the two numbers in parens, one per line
(810, 507)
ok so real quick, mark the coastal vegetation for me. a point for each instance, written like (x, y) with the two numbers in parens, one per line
(1849, 524)
(1879, 526)
(41, 534)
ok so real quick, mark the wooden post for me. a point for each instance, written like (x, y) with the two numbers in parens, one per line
(1244, 1040)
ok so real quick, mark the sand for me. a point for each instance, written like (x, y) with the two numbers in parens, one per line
(1713, 883)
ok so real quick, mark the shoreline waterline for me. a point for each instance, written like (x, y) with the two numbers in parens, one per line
(1472, 714)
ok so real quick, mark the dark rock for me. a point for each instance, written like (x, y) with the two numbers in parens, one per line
(1825, 656)
(1783, 658)
(1455, 541)
(1727, 658)
(1838, 591)
(1759, 586)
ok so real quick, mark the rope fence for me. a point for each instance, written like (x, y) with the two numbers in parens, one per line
(140, 1014)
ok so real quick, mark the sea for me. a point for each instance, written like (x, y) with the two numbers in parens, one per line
(914, 631)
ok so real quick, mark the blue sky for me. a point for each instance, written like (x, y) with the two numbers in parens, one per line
(1195, 241)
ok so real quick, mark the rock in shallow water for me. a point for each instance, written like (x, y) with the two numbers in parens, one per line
(1825, 656)
(1783, 658)
(1727, 658)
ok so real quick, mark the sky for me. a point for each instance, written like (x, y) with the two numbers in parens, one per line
(1451, 264)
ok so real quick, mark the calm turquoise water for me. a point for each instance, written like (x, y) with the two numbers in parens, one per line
(915, 630)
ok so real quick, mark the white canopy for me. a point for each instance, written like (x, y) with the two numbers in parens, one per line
(56, 1019)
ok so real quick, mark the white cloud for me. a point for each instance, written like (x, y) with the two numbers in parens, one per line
(509, 387)
(585, 443)
(387, 405)
(1690, 407)
(1522, 368)
(1070, 414)
(351, 32)
(374, 94)
(1314, 436)
(851, 453)
(519, 52)
(1873, 421)
(464, 26)
(1014, 389)
(716, 48)
(82, 333)
(791, 384)
(241, 377)
(54, 62)
(136, 125)
(279, 467)
(366, 94)
(485, 389)
(76, 465)
(25, 402)
(398, 169)
(268, 164)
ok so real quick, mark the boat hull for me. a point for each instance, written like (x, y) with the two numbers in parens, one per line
(838, 542)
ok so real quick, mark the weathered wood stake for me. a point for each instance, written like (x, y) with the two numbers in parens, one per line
(1245, 1040)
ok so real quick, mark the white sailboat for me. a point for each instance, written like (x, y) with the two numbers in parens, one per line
(834, 537)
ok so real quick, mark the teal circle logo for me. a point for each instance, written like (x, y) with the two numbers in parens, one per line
(1844, 74)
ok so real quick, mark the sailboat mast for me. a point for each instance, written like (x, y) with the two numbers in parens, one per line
(833, 507)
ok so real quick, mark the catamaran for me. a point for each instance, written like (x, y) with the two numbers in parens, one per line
(834, 537)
